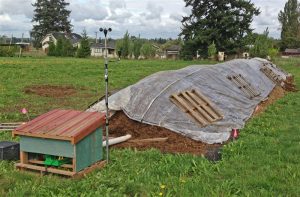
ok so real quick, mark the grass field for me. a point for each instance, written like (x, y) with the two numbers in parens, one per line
(263, 162)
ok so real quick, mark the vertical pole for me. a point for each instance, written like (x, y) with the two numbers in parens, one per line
(96, 37)
(20, 54)
(106, 99)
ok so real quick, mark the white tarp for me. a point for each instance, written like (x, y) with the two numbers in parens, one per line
(148, 100)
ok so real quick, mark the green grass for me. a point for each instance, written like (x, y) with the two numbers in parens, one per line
(263, 162)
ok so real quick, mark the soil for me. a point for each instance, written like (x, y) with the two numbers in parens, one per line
(121, 125)
(50, 90)
(277, 93)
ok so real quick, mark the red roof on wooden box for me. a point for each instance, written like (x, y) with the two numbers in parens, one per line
(67, 125)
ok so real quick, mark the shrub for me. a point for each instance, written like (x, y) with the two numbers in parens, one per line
(212, 50)
(147, 50)
(261, 46)
(7, 52)
(273, 52)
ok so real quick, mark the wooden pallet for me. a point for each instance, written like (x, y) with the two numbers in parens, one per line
(243, 85)
(271, 75)
(197, 106)
(65, 169)
(10, 126)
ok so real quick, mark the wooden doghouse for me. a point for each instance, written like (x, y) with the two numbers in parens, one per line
(64, 142)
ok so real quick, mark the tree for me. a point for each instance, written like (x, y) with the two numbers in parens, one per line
(126, 45)
(51, 49)
(137, 45)
(84, 49)
(289, 19)
(212, 50)
(49, 16)
(262, 45)
(147, 50)
(226, 22)
(59, 47)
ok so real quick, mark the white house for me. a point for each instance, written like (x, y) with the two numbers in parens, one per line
(98, 49)
(73, 37)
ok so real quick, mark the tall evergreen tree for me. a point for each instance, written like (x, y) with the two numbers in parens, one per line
(126, 45)
(226, 23)
(50, 16)
(84, 49)
(137, 45)
(289, 19)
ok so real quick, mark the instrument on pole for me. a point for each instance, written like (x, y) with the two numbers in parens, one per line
(105, 31)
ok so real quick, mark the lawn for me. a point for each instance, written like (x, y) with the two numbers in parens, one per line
(264, 161)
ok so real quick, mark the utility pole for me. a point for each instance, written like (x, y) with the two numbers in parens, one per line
(10, 40)
(105, 31)
(20, 54)
(96, 37)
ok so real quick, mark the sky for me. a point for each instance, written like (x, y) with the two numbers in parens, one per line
(148, 18)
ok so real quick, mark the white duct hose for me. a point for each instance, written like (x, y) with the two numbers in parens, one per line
(117, 140)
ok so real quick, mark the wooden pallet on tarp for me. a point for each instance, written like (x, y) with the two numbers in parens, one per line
(271, 74)
(243, 85)
(197, 106)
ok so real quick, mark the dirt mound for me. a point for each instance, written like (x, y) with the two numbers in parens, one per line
(120, 125)
(277, 93)
(50, 90)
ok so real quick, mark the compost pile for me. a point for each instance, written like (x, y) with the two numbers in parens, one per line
(152, 114)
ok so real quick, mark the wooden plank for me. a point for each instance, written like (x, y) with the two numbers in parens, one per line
(201, 101)
(149, 140)
(184, 109)
(15, 133)
(202, 111)
(23, 157)
(246, 85)
(199, 94)
(33, 161)
(190, 110)
(98, 165)
(45, 169)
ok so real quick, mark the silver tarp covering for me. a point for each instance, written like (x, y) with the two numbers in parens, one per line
(148, 100)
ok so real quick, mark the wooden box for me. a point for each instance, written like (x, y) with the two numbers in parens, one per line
(72, 138)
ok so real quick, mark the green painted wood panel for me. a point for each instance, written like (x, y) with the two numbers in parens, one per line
(47, 146)
(89, 150)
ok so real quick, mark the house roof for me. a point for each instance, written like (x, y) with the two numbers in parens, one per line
(173, 48)
(110, 45)
(68, 125)
(292, 51)
(73, 37)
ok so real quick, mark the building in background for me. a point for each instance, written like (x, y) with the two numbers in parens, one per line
(73, 37)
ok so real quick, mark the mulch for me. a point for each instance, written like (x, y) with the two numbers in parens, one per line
(121, 125)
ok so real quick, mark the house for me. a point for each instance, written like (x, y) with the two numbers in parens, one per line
(73, 37)
(98, 49)
(172, 52)
(292, 52)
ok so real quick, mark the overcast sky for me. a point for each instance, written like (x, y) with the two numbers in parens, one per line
(149, 18)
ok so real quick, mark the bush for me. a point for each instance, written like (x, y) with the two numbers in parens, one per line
(273, 52)
(7, 52)
(147, 50)
(212, 50)
(62, 48)
(261, 46)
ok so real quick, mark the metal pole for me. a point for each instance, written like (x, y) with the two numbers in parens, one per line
(106, 92)
(106, 99)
